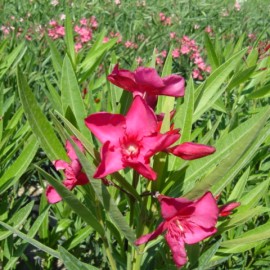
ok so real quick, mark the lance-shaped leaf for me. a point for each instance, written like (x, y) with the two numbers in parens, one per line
(71, 95)
(20, 165)
(72, 263)
(31, 240)
(211, 89)
(38, 122)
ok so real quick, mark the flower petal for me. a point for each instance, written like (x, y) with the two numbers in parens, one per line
(52, 195)
(177, 247)
(170, 207)
(142, 168)
(111, 161)
(159, 142)
(70, 151)
(140, 119)
(106, 126)
(205, 212)
(174, 86)
(191, 151)
(148, 80)
(82, 179)
(150, 236)
(123, 79)
(60, 164)
(194, 233)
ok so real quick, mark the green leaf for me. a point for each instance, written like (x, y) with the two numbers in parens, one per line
(211, 89)
(17, 219)
(72, 263)
(71, 94)
(31, 240)
(253, 236)
(57, 60)
(240, 152)
(20, 165)
(38, 122)
(207, 256)
(31, 233)
(211, 53)
(69, 38)
(72, 201)
(255, 194)
(79, 236)
(10, 59)
(239, 187)
(263, 92)
(224, 146)
(241, 77)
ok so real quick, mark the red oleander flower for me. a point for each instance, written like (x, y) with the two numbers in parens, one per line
(73, 172)
(147, 83)
(185, 222)
(129, 141)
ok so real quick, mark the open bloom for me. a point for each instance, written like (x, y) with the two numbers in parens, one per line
(146, 82)
(73, 172)
(185, 222)
(129, 141)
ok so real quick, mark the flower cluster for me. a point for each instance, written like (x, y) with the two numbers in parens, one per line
(56, 30)
(131, 140)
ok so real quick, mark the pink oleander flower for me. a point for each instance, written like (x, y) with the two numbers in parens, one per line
(139, 60)
(78, 46)
(129, 141)
(73, 172)
(227, 208)
(196, 74)
(190, 151)
(185, 49)
(172, 35)
(237, 6)
(162, 17)
(164, 53)
(208, 29)
(105, 40)
(175, 53)
(159, 61)
(185, 222)
(147, 81)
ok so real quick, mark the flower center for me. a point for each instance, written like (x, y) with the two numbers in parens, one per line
(130, 147)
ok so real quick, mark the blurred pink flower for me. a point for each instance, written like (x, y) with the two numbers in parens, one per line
(237, 6)
(208, 29)
(62, 17)
(159, 61)
(73, 172)
(185, 49)
(78, 47)
(175, 53)
(105, 40)
(172, 35)
(129, 141)
(164, 53)
(185, 222)
(117, 2)
(54, 2)
(139, 60)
